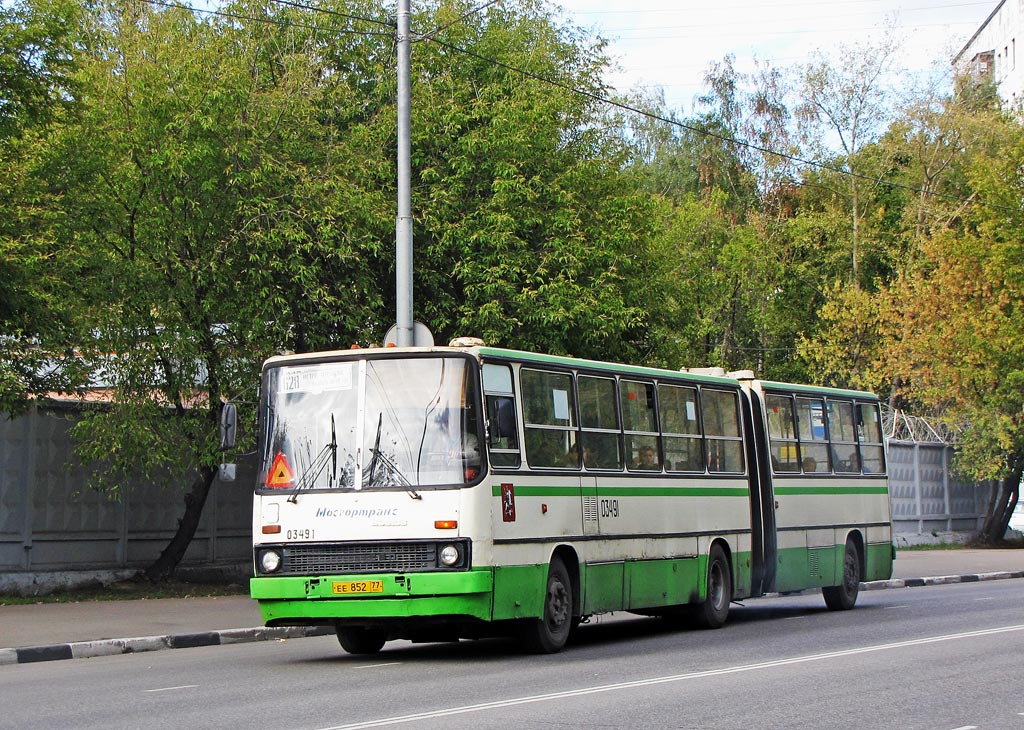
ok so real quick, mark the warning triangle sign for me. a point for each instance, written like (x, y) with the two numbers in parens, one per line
(280, 474)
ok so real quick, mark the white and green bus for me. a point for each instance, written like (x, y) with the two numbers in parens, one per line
(437, 493)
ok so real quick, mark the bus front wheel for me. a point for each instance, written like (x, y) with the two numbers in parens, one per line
(844, 597)
(356, 640)
(549, 633)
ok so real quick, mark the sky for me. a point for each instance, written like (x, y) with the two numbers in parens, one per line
(669, 43)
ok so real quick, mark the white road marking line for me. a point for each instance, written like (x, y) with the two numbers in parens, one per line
(889, 608)
(401, 719)
(967, 727)
(169, 689)
(375, 666)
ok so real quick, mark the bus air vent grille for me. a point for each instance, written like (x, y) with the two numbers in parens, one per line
(360, 557)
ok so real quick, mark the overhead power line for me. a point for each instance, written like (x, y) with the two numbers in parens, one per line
(301, 6)
(284, 23)
(432, 37)
(462, 18)
(714, 135)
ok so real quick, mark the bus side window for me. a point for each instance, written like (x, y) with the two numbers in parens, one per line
(599, 420)
(680, 426)
(870, 433)
(503, 432)
(782, 433)
(639, 422)
(810, 418)
(549, 417)
(845, 459)
(722, 430)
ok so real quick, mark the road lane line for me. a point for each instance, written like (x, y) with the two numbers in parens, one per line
(169, 689)
(375, 666)
(465, 709)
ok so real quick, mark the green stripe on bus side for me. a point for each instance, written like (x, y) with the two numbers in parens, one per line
(625, 491)
(830, 490)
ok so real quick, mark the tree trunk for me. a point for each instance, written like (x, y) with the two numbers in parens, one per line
(165, 565)
(1001, 506)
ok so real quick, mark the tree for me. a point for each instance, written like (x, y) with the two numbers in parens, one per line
(957, 332)
(37, 297)
(844, 107)
(225, 188)
(528, 233)
(206, 188)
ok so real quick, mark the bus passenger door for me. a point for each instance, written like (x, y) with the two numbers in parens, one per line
(762, 499)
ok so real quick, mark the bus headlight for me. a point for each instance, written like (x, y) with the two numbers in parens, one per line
(270, 561)
(450, 556)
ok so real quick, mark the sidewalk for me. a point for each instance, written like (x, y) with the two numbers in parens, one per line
(96, 628)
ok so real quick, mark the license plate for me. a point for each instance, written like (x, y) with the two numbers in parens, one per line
(348, 587)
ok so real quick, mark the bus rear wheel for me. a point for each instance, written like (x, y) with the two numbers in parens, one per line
(844, 597)
(714, 610)
(549, 633)
(357, 640)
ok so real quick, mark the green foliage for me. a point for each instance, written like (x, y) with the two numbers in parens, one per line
(188, 193)
(37, 90)
(36, 62)
(529, 234)
(844, 349)
(958, 339)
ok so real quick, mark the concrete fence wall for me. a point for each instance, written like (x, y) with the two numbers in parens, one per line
(928, 503)
(51, 521)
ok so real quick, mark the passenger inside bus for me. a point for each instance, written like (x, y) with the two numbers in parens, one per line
(646, 459)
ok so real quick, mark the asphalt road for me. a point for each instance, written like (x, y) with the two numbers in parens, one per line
(936, 658)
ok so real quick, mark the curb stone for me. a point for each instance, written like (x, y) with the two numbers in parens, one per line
(109, 647)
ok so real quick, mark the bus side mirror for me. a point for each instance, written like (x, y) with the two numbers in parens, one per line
(228, 426)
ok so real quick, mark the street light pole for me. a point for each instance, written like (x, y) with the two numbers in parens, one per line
(403, 222)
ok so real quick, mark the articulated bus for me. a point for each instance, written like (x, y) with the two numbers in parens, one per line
(466, 491)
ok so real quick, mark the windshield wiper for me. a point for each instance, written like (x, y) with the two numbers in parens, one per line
(309, 475)
(392, 474)
(376, 450)
(396, 477)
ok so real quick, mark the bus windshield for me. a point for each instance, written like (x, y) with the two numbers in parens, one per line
(371, 423)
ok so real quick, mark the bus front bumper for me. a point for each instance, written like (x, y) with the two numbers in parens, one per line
(303, 600)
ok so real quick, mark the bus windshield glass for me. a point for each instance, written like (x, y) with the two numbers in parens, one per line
(404, 423)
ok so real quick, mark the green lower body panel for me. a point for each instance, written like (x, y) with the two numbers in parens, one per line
(304, 600)
(878, 562)
(652, 584)
(655, 583)
(603, 588)
(519, 591)
(801, 568)
(487, 594)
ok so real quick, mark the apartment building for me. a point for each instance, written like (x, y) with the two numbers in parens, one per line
(992, 51)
